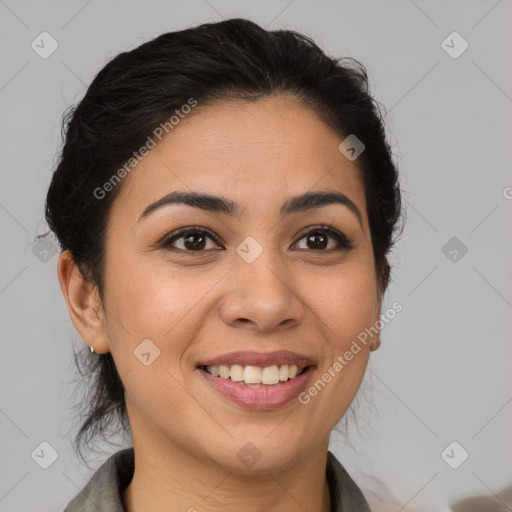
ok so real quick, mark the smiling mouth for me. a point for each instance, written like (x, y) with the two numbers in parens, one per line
(256, 376)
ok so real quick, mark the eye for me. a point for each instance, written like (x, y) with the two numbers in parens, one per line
(317, 239)
(193, 239)
(190, 239)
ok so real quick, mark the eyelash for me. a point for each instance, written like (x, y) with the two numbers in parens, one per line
(343, 241)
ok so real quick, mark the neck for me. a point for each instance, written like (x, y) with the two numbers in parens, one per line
(174, 479)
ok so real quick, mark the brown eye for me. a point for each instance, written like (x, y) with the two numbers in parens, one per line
(194, 242)
(317, 239)
(190, 240)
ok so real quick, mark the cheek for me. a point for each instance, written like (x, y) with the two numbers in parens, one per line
(343, 306)
(151, 299)
(153, 316)
(346, 305)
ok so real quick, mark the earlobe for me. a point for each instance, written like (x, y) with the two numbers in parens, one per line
(375, 341)
(82, 300)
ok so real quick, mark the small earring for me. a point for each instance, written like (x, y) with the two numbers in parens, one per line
(92, 349)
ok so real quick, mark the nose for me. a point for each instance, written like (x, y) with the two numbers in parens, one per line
(261, 296)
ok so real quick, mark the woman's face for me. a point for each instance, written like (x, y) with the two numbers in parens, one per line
(255, 282)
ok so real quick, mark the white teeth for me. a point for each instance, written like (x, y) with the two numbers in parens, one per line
(255, 375)
(270, 375)
(236, 373)
(252, 375)
(224, 371)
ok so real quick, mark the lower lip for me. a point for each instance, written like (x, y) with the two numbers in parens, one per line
(261, 398)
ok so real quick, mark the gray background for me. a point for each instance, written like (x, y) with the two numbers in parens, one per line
(442, 373)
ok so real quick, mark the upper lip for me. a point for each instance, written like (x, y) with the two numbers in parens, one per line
(263, 359)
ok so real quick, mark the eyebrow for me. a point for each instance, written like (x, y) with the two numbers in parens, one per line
(215, 204)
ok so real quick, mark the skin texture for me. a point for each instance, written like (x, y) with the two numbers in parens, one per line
(192, 305)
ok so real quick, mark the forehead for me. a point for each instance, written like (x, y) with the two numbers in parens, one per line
(256, 153)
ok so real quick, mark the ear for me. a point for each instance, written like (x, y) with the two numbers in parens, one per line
(375, 340)
(83, 302)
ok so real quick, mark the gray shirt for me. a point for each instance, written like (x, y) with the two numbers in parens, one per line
(104, 490)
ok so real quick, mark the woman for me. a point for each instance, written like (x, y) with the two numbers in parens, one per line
(225, 203)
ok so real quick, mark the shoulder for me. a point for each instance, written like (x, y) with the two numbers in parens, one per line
(345, 494)
(104, 488)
